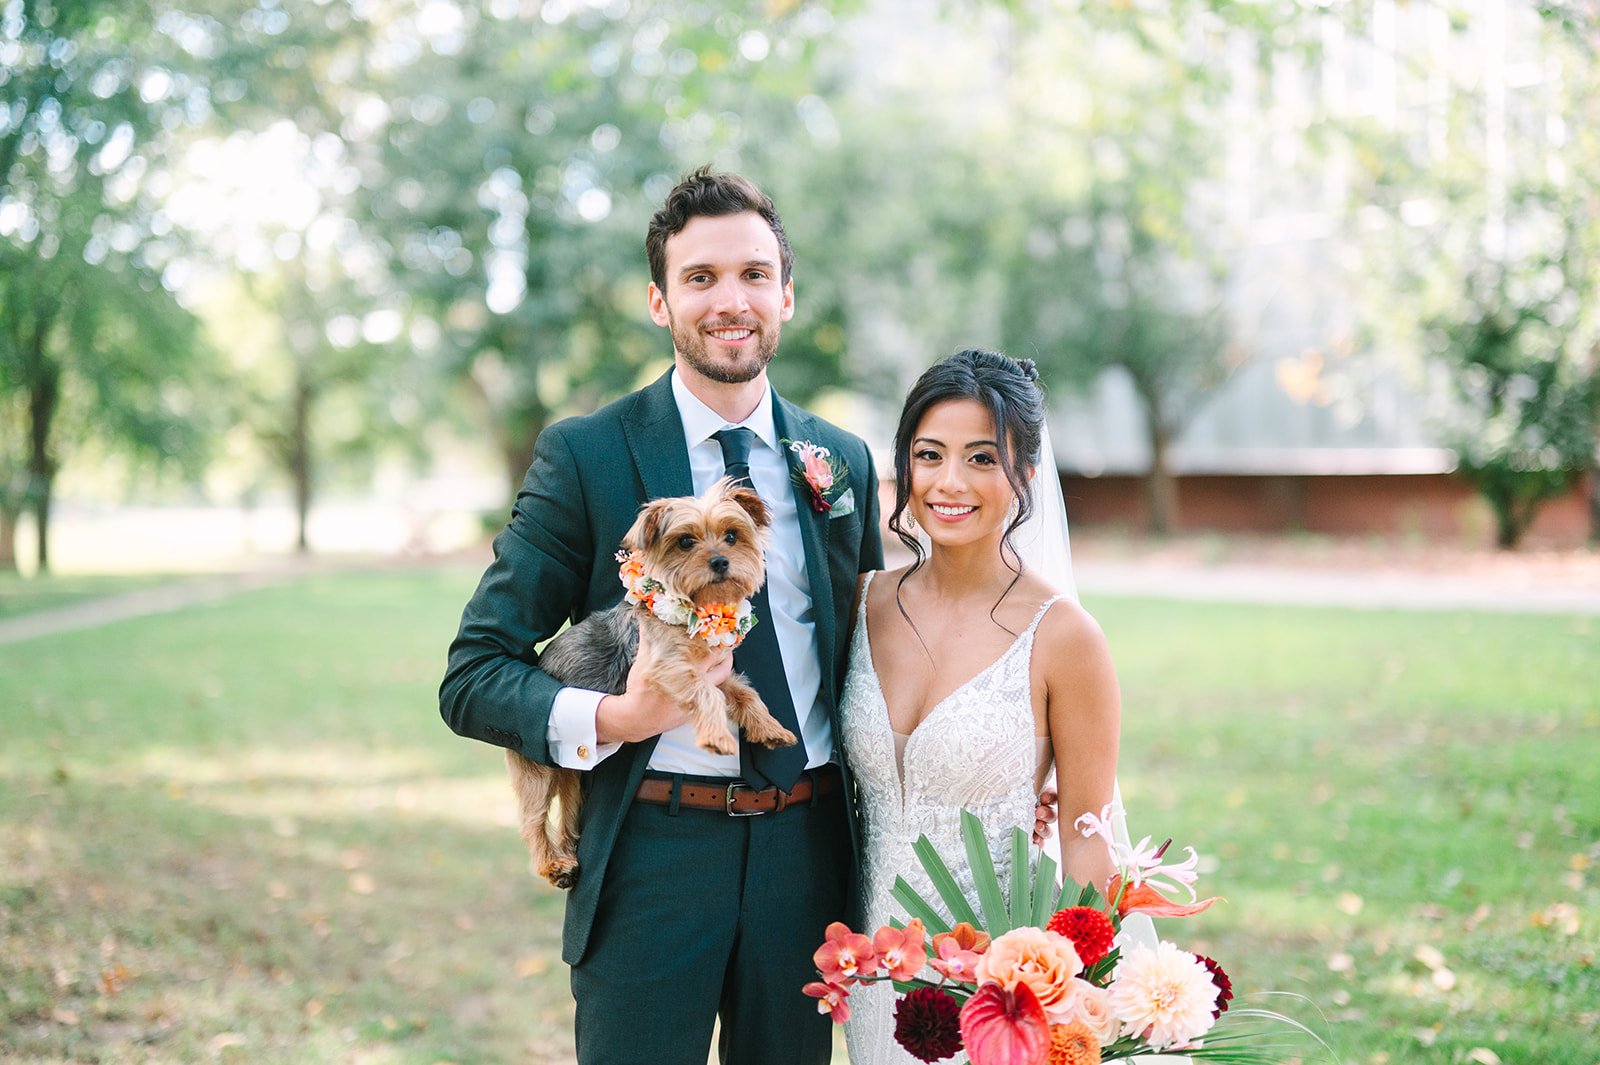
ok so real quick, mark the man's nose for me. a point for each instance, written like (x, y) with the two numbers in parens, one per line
(731, 297)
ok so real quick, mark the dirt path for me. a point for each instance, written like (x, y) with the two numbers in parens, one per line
(1361, 574)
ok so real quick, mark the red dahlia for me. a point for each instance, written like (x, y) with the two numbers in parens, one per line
(927, 1022)
(1224, 985)
(1089, 929)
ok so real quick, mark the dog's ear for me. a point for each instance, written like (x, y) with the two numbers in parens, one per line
(647, 526)
(752, 504)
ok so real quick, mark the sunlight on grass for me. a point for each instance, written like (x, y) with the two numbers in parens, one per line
(241, 832)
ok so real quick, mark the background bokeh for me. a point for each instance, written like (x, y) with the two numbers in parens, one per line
(265, 261)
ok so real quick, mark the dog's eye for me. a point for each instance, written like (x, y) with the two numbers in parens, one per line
(731, 536)
(685, 542)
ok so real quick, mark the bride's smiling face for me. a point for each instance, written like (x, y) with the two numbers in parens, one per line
(959, 490)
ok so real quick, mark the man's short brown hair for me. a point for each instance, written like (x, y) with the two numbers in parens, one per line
(711, 195)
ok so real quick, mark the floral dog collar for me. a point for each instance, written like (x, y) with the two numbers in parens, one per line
(718, 624)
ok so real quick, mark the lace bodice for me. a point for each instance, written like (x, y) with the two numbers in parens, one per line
(975, 750)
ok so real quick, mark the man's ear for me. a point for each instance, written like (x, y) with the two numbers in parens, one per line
(656, 301)
(786, 312)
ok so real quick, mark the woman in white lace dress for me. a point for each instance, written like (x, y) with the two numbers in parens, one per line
(970, 674)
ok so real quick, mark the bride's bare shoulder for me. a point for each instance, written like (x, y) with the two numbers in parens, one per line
(1069, 628)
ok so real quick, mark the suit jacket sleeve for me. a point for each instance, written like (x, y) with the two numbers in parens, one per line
(493, 688)
(871, 518)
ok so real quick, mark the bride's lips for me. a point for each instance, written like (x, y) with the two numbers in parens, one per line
(951, 512)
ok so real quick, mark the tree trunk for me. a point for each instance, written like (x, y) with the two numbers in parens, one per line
(8, 540)
(516, 451)
(300, 459)
(1161, 488)
(44, 397)
(1594, 503)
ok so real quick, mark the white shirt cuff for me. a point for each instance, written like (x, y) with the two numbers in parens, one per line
(570, 734)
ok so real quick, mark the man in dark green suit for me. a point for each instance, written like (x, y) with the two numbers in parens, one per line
(685, 909)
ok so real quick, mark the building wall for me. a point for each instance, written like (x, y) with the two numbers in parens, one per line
(1437, 507)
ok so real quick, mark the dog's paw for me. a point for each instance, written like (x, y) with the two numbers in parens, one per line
(721, 742)
(562, 872)
(775, 736)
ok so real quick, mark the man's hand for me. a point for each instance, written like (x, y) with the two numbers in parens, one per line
(641, 712)
(1044, 815)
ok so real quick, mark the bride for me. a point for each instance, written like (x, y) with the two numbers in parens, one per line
(971, 672)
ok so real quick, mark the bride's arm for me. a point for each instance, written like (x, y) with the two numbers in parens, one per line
(1084, 711)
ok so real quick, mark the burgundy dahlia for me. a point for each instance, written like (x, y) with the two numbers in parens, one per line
(927, 1022)
(1224, 985)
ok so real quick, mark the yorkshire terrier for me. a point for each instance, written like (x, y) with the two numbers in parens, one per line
(690, 566)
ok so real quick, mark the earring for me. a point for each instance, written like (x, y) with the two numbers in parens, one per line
(910, 522)
(1013, 510)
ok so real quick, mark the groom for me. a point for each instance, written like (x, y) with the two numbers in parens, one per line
(705, 881)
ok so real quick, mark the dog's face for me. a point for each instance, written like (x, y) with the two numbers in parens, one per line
(711, 549)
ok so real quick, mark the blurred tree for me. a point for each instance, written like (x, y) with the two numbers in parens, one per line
(515, 161)
(1490, 265)
(99, 95)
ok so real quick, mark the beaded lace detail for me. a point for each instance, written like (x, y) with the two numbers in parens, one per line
(975, 750)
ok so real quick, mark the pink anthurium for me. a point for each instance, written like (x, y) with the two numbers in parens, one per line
(1000, 1027)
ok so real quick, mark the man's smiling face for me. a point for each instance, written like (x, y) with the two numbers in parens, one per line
(726, 298)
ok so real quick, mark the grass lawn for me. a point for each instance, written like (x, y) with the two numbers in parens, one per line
(241, 833)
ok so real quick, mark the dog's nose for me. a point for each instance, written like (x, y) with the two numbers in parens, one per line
(720, 565)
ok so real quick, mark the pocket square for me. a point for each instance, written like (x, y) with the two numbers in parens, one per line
(845, 504)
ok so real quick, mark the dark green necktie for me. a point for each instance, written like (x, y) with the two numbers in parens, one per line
(758, 657)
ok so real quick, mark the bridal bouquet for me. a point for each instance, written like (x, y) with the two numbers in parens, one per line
(1049, 976)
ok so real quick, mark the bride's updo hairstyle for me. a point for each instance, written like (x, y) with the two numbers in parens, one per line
(1009, 390)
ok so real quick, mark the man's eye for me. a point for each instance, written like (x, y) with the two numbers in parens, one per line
(685, 543)
(730, 536)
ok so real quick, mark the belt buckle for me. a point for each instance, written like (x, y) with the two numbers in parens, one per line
(728, 801)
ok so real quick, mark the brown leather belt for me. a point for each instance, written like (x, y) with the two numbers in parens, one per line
(736, 798)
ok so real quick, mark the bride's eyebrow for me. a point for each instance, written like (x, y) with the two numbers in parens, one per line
(940, 443)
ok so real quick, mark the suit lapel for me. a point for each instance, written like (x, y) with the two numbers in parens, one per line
(654, 431)
(792, 424)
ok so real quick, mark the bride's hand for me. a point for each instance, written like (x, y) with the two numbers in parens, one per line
(1044, 815)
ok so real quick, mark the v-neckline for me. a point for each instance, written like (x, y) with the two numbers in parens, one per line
(877, 680)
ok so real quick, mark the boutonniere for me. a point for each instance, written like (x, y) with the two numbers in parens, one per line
(821, 473)
(718, 624)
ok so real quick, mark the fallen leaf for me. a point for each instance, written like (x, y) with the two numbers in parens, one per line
(64, 1016)
(532, 965)
(1428, 955)
(1350, 903)
(362, 884)
(114, 979)
(223, 1040)
(1483, 1056)
(1341, 963)
(1444, 979)
(1426, 1036)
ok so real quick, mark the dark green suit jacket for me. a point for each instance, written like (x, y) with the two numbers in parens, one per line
(554, 563)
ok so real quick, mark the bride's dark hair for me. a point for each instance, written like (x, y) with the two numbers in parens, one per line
(1009, 390)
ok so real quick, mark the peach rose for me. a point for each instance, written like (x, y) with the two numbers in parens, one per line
(1091, 1007)
(1045, 961)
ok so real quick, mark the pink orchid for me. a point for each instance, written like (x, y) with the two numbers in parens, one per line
(845, 956)
(901, 951)
(832, 999)
(954, 962)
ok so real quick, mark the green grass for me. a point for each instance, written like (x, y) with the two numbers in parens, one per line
(21, 595)
(241, 833)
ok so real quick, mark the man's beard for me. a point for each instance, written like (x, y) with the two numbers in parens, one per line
(692, 344)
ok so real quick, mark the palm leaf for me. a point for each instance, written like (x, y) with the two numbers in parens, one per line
(981, 862)
(1044, 889)
(918, 907)
(1021, 883)
(944, 883)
